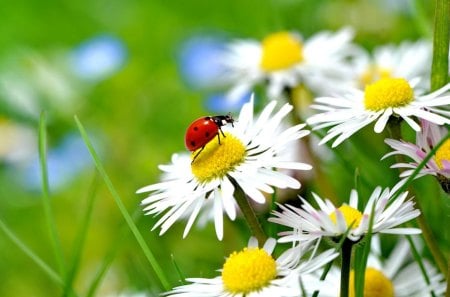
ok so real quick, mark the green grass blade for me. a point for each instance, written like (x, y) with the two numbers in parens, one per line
(362, 257)
(178, 270)
(419, 261)
(25, 249)
(56, 244)
(81, 237)
(101, 272)
(147, 252)
(108, 259)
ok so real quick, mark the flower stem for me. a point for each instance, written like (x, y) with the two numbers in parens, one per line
(295, 99)
(249, 214)
(347, 248)
(439, 67)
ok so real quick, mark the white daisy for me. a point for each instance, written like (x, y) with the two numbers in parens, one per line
(283, 60)
(426, 139)
(397, 275)
(387, 97)
(408, 60)
(309, 223)
(253, 272)
(248, 157)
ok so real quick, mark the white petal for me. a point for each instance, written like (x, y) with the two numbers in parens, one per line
(218, 216)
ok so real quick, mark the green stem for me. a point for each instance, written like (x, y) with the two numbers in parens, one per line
(39, 262)
(80, 239)
(46, 195)
(395, 131)
(249, 214)
(296, 99)
(128, 219)
(110, 254)
(347, 248)
(419, 261)
(439, 67)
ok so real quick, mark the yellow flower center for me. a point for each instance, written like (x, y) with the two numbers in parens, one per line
(216, 160)
(248, 270)
(351, 215)
(443, 154)
(374, 73)
(388, 92)
(280, 51)
(376, 284)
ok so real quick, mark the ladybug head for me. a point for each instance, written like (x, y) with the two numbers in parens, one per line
(222, 120)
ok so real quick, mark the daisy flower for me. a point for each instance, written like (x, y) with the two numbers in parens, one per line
(397, 275)
(309, 223)
(408, 60)
(254, 272)
(249, 157)
(426, 139)
(387, 97)
(284, 60)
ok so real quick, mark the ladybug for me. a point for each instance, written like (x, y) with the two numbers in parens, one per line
(203, 130)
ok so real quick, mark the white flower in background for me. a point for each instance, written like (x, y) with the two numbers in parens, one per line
(19, 142)
(408, 60)
(249, 157)
(31, 82)
(284, 60)
(426, 140)
(254, 272)
(309, 223)
(398, 275)
(351, 111)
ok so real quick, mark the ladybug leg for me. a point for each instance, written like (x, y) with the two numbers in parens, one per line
(196, 155)
(218, 134)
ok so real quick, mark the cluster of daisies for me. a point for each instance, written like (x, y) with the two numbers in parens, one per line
(254, 157)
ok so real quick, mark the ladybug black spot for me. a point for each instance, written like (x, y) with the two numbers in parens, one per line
(192, 143)
(206, 134)
(195, 128)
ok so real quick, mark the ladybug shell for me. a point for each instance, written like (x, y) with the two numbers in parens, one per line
(200, 132)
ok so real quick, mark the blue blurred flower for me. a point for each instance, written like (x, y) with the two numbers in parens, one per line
(199, 63)
(221, 103)
(98, 57)
(64, 163)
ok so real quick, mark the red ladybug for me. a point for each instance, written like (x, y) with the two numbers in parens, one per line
(203, 130)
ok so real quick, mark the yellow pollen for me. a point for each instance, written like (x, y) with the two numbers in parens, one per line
(351, 215)
(280, 51)
(216, 160)
(376, 284)
(248, 270)
(443, 154)
(374, 73)
(388, 92)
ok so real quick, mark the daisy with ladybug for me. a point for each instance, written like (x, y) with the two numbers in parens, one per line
(249, 156)
(201, 131)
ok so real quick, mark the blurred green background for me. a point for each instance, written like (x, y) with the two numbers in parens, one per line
(136, 115)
